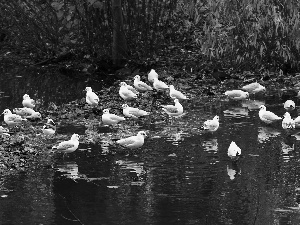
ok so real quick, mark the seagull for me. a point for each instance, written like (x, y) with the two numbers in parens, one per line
(159, 85)
(34, 116)
(24, 111)
(28, 102)
(27, 113)
(50, 122)
(234, 151)
(133, 112)
(49, 128)
(12, 119)
(68, 146)
(173, 110)
(110, 119)
(133, 142)
(211, 125)
(288, 122)
(140, 85)
(237, 94)
(129, 87)
(253, 88)
(125, 93)
(151, 75)
(267, 116)
(289, 105)
(91, 98)
(176, 94)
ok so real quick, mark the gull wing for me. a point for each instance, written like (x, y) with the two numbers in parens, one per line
(65, 145)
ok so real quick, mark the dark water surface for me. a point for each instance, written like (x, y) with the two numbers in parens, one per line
(180, 176)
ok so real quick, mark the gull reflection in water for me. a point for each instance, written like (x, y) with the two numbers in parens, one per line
(136, 171)
(252, 104)
(265, 133)
(236, 112)
(174, 134)
(69, 170)
(233, 170)
(134, 167)
(288, 147)
(105, 147)
(210, 145)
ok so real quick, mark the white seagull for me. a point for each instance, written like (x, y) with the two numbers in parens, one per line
(289, 105)
(91, 98)
(133, 142)
(267, 116)
(234, 151)
(23, 111)
(288, 122)
(125, 93)
(176, 94)
(111, 119)
(211, 125)
(173, 110)
(159, 85)
(237, 94)
(68, 146)
(253, 88)
(151, 75)
(133, 112)
(129, 87)
(140, 85)
(49, 128)
(28, 102)
(27, 113)
(12, 119)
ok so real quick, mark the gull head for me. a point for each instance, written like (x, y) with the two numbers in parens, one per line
(50, 121)
(142, 133)
(88, 89)
(26, 96)
(6, 112)
(216, 118)
(137, 77)
(75, 137)
(262, 107)
(124, 106)
(106, 111)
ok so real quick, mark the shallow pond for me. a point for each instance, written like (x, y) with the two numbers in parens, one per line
(180, 176)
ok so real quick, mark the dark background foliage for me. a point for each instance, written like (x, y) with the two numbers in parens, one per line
(251, 34)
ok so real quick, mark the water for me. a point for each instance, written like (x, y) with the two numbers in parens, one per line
(180, 176)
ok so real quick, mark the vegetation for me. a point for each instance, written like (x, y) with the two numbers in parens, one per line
(241, 34)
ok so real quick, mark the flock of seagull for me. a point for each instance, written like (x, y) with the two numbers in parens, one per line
(129, 93)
